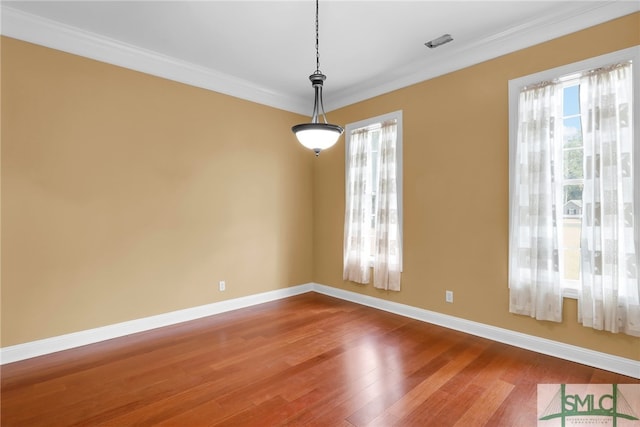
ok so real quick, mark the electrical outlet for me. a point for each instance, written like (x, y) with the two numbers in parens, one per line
(448, 296)
(222, 286)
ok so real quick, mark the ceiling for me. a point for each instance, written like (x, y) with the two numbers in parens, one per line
(265, 50)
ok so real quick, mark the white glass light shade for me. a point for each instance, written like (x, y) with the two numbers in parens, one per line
(317, 136)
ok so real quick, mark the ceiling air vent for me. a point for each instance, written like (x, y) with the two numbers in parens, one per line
(445, 38)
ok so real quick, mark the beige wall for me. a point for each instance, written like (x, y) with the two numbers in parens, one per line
(456, 190)
(126, 195)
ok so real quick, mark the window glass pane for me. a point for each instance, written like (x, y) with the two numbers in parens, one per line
(572, 134)
(573, 163)
(572, 264)
(573, 198)
(571, 104)
(571, 231)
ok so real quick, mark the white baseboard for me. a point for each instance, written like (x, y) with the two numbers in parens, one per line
(557, 349)
(90, 336)
(572, 353)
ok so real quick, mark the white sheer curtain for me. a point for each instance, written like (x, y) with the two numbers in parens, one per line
(534, 257)
(387, 257)
(608, 298)
(357, 221)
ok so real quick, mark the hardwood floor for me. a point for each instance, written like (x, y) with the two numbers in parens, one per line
(308, 360)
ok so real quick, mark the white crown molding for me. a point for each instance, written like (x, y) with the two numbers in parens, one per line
(540, 345)
(34, 29)
(437, 63)
(27, 27)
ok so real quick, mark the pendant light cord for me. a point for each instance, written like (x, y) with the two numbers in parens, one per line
(317, 43)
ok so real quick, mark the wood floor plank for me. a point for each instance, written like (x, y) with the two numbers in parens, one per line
(413, 398)
(519, 409)
(395, 390)
(485, 405)
(308, 360)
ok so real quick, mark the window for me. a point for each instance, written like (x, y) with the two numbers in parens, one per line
(572, 151)
(572, 179)
(372, 145)
(574, 199)
(373, 213)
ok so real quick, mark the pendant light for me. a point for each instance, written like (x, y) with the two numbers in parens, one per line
(317, 135)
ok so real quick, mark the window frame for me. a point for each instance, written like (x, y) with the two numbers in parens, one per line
(349, 128)
(566, 72)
